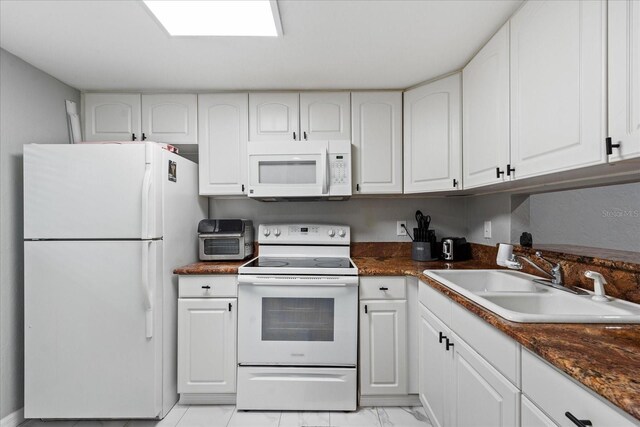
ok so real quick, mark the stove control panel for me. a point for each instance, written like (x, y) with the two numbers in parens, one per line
(307, 234)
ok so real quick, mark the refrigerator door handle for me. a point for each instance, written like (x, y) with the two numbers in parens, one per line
(146, 189)
(146, 291)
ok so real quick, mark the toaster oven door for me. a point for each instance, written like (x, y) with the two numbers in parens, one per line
(221, 247)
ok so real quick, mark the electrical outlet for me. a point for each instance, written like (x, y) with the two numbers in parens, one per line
(487, 229)
(400, 231)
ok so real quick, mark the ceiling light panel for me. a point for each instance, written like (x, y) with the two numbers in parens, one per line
(217, 17)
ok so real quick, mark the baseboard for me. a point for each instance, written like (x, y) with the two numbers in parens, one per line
(401, 400)
(14, 419)
(207, 399)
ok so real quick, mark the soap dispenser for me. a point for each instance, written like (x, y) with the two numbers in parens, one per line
(598, 285)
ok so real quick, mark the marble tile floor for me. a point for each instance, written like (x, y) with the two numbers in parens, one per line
(228, 416)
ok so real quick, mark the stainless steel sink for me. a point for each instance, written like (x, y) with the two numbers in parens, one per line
(516, 297)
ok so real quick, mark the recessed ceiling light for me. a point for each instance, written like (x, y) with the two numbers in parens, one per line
(218, 17)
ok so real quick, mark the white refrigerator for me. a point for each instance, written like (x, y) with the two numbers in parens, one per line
(104, 227)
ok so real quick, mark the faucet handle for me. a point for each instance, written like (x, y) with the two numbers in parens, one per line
(598, 285)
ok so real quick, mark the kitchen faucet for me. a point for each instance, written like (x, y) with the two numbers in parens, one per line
(555, 273)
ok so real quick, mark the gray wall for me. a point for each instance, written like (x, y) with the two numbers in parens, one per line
(32, 109)
(600, 217)
(371, 220)
(604, 217)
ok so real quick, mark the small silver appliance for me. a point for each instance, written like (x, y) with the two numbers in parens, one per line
(225, 239)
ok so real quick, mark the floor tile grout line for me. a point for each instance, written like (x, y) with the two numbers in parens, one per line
(183, 414)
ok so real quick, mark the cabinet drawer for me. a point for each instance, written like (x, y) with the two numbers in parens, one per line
(500, 350)
(556, 393)
(383, 287)
(207, 286)
(437, 303)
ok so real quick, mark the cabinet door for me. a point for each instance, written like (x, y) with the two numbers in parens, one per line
(433, 367)
(485, 100)
(170, 118)
(532, 416)
(376, 118)
(111, 117)
(557, 86)
(480, 395)
(273, 117)
(222, 132)
(432, 137)
(325, 115)
(624, 78)
(207, 345)
(383, 347)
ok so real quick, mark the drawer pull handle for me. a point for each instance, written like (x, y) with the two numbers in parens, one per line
(384, 288)
(448, 344)
(365, 309)
(230, 307)
(579, 423)
(206, 287)
(441, 337)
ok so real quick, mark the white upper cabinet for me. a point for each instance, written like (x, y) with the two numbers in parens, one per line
(485, 109)
(112, 117)
(624, 78)
(432, 137)
(223, 134)
(376, 118)
(557, 86)
(274, 117)
(170, 118)
(325, 115)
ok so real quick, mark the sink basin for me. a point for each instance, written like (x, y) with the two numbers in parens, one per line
(514, 296)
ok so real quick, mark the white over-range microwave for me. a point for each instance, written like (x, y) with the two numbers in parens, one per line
(304, 170)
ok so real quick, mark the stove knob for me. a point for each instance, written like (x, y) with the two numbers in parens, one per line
(331, 232)
(266, 232)
(341, 233)
(276, 232)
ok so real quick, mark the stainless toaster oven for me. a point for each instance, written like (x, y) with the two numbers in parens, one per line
(225, 239)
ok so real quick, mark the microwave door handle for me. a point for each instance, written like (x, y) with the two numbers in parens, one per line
(325, 169)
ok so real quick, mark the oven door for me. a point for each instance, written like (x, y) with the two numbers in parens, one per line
(297, 321)
(286, 169)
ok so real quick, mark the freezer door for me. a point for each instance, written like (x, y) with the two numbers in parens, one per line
(93, 329)
(92, 191)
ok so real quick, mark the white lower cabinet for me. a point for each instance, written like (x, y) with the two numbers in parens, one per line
(532, 416)
(480, 395)
(561, 398)
(471, 375)
(432, 367)
(383, 347)
(383, 338)
(207, 330)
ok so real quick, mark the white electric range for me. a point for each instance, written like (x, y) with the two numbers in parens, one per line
(297, 320)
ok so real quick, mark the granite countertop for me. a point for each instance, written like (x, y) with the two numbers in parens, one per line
(605, 357)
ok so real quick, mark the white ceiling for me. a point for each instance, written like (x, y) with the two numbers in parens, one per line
(327, 44)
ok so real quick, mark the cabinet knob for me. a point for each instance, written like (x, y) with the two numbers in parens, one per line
(576, 421)
(611, 145)
(448, 344)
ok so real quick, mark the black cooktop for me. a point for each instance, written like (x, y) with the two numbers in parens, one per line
(301, 262)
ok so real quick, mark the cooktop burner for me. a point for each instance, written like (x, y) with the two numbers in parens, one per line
(301, 262)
